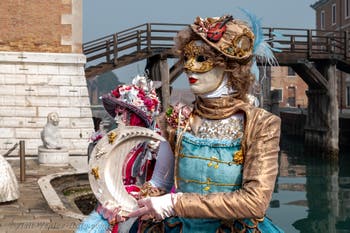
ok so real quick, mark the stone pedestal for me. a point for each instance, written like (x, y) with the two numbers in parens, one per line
(53, 157)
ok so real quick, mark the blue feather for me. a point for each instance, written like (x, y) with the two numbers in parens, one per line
(255, 70)
(94, 223)
(276, 45)
(278, 35)
(261, 48)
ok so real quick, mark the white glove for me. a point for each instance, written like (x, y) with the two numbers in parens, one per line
(111, 212)
(159, 207)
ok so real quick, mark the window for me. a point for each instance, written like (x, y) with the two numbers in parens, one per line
(277, 94)
(322, 22)
(348, 96)
(291, 96)
(291, 72)
(334, 14)
(347, 8)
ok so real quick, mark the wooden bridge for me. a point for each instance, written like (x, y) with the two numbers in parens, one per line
(314, 54)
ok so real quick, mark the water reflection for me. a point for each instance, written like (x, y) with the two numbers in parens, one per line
(312, 195)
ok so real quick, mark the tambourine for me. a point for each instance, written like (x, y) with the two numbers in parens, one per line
(106, 164)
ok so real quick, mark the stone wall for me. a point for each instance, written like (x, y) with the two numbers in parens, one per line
(35, 84)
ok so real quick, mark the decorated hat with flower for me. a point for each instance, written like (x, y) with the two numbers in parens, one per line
(136, 103)
(238, 40)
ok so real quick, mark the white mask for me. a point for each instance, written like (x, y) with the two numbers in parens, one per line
(202, 83)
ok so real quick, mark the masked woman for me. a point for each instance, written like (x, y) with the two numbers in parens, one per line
(226, 150)
(136, 104)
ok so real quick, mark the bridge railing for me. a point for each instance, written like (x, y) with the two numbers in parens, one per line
(146, 37)
(314, 43)
(157, 37)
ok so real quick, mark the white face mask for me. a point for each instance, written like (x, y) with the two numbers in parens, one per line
(201, 83)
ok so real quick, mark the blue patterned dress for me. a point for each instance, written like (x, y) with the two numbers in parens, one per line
(212, 162)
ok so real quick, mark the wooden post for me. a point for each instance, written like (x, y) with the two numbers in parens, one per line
(108, 52)
(164, 74)
(159, 71)
(22, 161)
(346, 45)
(333, 113)
(309, 43)
(149, 37)
(329, 45)
(271, 36)
(275, 102)
(115, 48)
(322, 123)
(138, 40)
(292, 43)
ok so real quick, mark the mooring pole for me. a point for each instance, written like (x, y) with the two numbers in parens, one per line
(22, 160)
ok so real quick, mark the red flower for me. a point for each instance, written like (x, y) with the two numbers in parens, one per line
(155, 102)
(149, 103)
(136, 121)
(142, 97)
(141, 92)
(116, 93)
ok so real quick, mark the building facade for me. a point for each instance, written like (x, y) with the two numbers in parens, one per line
(291, 88)
(42, 71)
(334, 15)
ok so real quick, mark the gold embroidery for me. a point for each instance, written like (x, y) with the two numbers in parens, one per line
(111, 137)
(238, 157)
(95, 173)
(211, 160)
(216, 166)
(241, 45)
(178, 148)
(147, 190)
(208, 182)
(207, 188)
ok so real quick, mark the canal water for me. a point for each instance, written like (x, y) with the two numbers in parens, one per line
(312, 195)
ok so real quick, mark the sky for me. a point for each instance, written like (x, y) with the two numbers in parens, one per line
(104, 17)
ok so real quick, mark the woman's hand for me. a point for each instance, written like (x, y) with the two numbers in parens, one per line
(159, 207)
(111, 212)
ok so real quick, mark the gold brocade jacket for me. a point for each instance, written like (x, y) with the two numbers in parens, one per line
(260, 146)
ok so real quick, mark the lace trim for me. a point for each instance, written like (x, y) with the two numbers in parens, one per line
(213, 142)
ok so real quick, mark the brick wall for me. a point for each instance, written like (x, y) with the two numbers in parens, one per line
(342, 23)
(40, 26)
(281, 80)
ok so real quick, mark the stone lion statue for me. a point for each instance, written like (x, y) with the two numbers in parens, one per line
(50, 135)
